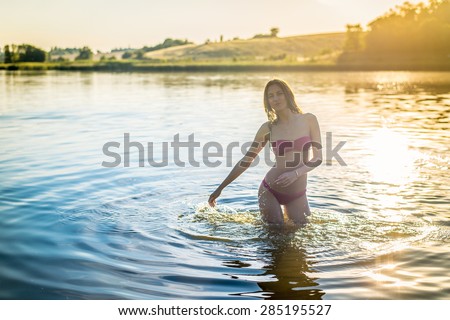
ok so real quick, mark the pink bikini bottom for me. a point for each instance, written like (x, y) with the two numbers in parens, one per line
(283, 198)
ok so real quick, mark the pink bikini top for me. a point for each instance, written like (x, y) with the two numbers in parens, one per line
(280, 147)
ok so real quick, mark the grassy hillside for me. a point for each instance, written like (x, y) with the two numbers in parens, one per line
(318, 52)
(292, 49)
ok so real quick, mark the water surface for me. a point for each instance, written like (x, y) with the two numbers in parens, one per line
(71, 228)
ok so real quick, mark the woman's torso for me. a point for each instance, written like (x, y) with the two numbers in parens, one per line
(290, 145)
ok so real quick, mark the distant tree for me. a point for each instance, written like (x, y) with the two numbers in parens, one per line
(139, 54)
(127, 55)
(28, 53)
(85, 54)
(56, 51)
(169, 42)
(412, 29)
(24, 53)
(221, 38)
(8, 55)
(404, 32)
(14, 53)
(106, 58)
(274, 32)
(261, 35)
(354, 38)
(122, 49)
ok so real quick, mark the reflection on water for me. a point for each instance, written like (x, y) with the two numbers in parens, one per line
(287, 273)
(73, 229)
(417, 101)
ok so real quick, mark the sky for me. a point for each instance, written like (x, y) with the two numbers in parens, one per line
(107, 24)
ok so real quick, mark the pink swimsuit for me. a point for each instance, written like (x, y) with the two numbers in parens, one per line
(300, 144)
(280, 147)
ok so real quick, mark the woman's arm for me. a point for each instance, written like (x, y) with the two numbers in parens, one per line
(261, 138)
(316, 143)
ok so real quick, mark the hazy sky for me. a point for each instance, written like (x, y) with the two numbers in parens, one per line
(107, 24)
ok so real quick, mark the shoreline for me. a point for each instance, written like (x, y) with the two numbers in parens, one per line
(211, 67)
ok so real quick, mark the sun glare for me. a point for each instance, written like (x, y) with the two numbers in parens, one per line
(391, 159)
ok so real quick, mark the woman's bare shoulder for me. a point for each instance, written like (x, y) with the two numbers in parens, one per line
(310, 117)
(265, 129)
(266, 126)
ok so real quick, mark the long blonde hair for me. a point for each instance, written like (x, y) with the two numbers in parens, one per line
(271, 114)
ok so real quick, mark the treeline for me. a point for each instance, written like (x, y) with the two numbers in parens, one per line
(408, 30)
(167, 44)
(412, 28)
(273, 34)
(139, 54)
(57, 51)
(23, 53)
(28, 53)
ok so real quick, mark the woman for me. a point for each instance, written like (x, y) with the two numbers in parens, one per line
(291, 134)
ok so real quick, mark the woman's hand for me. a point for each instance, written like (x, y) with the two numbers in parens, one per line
(286, 178)
(213, 197)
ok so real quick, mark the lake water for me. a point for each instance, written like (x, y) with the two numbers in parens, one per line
(71, 228)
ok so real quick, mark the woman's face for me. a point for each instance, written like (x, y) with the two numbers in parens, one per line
(277, 99)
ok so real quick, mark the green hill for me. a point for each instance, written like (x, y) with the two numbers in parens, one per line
(294, 49)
